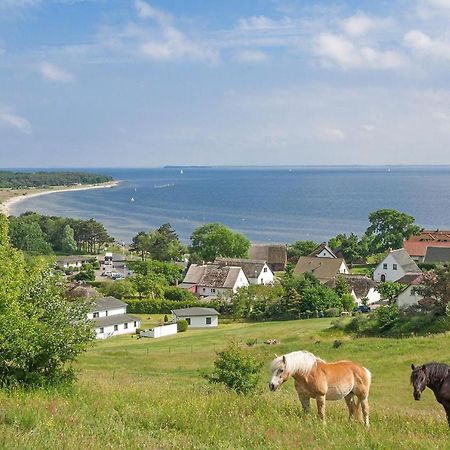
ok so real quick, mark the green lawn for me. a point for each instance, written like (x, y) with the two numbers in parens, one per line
(151, 394)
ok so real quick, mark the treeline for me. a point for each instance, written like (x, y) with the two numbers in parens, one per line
(36, 234)
(43, 179)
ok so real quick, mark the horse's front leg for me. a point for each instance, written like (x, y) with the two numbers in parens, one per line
(447, 411)
(304, 400)
(320, 399)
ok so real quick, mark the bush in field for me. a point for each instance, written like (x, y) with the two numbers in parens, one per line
(236, 369)
(182, 325)
(178, 294)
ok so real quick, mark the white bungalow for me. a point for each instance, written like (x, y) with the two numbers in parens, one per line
(197, 317)
(409, 297)
(73, 262)
(110, 319)
(256, 270)
(395, 265)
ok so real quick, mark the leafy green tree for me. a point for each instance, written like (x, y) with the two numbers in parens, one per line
(164, 244)
(171, 272)
(68, 244)
(237, 369)
(41, 333)
(348, 302)
(141, 244)
(389, 228)
(301, 248)
(119, 289)
(341, 288)
(390, 289)
(151, 285)
(214, 240)
(85, 274)
(350, 246)
(28, 236)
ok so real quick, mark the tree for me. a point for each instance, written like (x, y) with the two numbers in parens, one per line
(341, 288)
(151, 285)
(390, 289)
(348, 302)
(300, 248)
(28, 236)
(164, 244)
(171, 272)
(119, 289)
(41, 333)
(350, 246)
(68, 244)
(214, 240)
(140, 244)
(436, 285)
(389, 228)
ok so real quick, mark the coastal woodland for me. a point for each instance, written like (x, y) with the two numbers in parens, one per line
(17, 180)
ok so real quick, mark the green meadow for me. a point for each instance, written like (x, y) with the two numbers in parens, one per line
(152, 394)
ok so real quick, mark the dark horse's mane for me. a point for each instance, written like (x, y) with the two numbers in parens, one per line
(436, 372)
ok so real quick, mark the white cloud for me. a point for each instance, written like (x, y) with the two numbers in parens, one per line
(251, 56)
(14, 121)
(54, 73)
(146, 11)
(331, 135)
(422, 43)
(342, 52)
(369, 127)
(361, 24)
(262, 23)
(445, 4)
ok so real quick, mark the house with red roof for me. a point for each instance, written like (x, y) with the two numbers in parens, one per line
(417, 246)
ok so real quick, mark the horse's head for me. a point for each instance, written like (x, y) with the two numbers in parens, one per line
(418, 380)
(279, 373)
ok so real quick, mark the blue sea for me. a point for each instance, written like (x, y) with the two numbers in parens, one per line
(279, 204)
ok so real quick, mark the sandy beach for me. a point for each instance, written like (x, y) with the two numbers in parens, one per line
(19, 196)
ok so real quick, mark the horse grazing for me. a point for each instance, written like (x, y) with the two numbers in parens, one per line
(435, 376)
(315, 378)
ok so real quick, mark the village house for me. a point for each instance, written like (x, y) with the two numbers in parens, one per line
(210, 280)
(275, 255)
(324, 269)
(437, 255)
(395, 265)
(256, 271)
(409, 296)
(110, 319)
(197, 317)
(323, 251)
(360, 287)
(73, 262)
(416, 246)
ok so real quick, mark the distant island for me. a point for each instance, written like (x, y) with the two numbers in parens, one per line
(41, 179)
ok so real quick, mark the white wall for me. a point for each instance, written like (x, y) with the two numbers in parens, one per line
(325, 254)
(164, 330)
(200, 321)
(343, 268)
(265, 277)
(373, 296)
(108, 312)
(109, 330)
(408, 297)
(386, 268)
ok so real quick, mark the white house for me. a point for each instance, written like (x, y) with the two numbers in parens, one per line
(110, 319)
(197, 317)
(409, 296)
(73, 262)
(325, 269)
(360, 287)
(256, 270)
(323, 251)
(395, 265)
(163, 330)
(210, 280)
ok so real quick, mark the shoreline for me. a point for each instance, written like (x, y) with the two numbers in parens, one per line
(6, 206)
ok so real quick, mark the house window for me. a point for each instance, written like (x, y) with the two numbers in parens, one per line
(116, 327)
(135, 324)
(213, 290)
(394, 266)
(265, 269)
(208, 321)
(188, 320)
(204, 289)
(125, 325)
(106, 312)
(102, 330)
(96, 314)
(385, 266)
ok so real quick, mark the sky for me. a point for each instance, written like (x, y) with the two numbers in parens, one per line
(134, 83)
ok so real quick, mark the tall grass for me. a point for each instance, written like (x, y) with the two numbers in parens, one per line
(152, 394)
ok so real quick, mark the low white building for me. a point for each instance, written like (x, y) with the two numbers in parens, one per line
(110, 319)
(409, 297)
(395, 265)
(73, 262)
(256, 270)
(163, 330)
(197, 317)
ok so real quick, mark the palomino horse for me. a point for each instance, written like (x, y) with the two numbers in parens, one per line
(315, 378)
(435, 376)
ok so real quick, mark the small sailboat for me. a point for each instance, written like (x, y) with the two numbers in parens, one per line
(132, 199)
(181, 172)
(135, 189)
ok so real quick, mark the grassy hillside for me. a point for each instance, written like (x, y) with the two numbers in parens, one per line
(150, 394)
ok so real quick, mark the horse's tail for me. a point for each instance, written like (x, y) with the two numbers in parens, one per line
(369, 378)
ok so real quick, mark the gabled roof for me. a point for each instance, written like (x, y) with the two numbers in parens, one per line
(437, 255)
(360, 284)
(405, 261)
(411, 279)
(103, 303)
(251, 267)
(116, 319)
(320, 248)
(212, 275)
(271, 253)
(432, 236)
(195, 311)
(74, 259)
(322, 268)
(419, 248)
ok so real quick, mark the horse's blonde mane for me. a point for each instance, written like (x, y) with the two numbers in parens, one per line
(296, 362)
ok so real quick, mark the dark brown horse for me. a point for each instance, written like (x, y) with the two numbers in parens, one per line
(435, 376)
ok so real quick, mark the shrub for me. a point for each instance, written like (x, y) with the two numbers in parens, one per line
(179, 295)
(332, 312)
(337, 343)
(236, 369)
(251, 342)
(182, 325)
